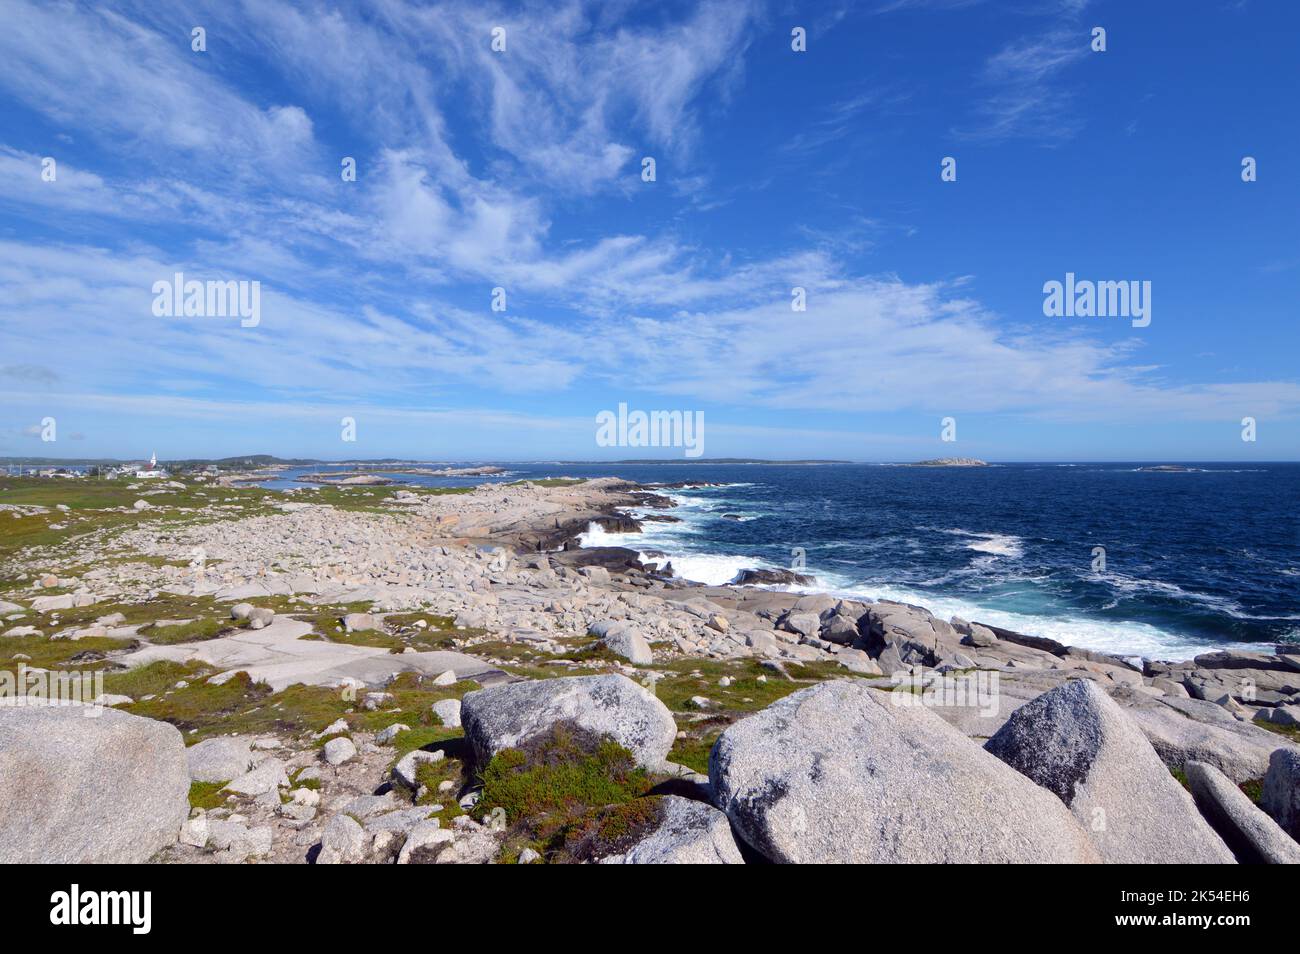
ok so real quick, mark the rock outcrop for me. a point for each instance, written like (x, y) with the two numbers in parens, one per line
(1281, 794)
(840, 773)
(1078, 744)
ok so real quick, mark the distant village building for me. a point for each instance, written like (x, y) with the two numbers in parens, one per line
(153, 471)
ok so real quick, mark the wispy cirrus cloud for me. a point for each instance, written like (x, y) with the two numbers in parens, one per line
(1026, 95)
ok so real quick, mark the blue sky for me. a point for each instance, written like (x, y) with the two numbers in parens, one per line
(521, 169)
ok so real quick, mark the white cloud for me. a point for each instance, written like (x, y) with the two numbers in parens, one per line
(865, 345)
(101, 72)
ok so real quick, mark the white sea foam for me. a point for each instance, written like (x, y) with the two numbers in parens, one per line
(997, 544)
(1119, 637)
(678, 541)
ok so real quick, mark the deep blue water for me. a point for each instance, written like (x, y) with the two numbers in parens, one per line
(1193, 560)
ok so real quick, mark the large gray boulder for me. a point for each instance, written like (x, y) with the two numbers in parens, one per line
(111, 788)
(1253, 837)
(1281, 796)
(688, 833)
(504, 717)
(839, 772)
(1185, 734)
(1078, 744)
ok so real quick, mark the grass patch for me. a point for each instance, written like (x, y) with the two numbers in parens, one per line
(432, 774)
(398, 633)
(89, 653)
(207, 795)
(195, 631)
(413, 697)
(1181, 778)
(693, 750)
(1253, 789)
(162, 606)
(368, 637)
(554, 789)
(98, 504)
(153, 679)
(241, 706)
(700, 677)
(1286, 731)
(419, 737)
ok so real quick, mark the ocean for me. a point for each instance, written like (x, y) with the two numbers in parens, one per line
(1202, 559)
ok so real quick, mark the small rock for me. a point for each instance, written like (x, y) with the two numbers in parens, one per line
(406, 767)
(266, 778)
(388, 734)
(340, 750)
(343, 842)
(448, 712)
(260, 618)
(334, 728)
(356, 621)
(424, 835)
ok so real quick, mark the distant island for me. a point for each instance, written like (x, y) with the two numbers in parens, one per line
(950, 462)
(707, 460)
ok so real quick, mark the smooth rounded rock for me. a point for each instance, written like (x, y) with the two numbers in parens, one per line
(839, 773)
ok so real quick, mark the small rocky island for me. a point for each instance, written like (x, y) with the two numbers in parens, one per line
(950, 462)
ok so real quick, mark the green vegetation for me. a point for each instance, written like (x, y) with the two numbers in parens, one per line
(693, 747)
(753, 687)
(566, 793)
(429, 775)
(361, 498)
(239, 705)
(161, 606)
(43, 653)
(153, 679)
(1286, 731)
(97, 504)
(1253, 789)
(580, 657)
(368, 637)
(193, 631)
(1181, 777)
(610, 829)
(207, 795)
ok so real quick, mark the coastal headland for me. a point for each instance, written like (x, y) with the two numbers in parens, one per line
(377, 674)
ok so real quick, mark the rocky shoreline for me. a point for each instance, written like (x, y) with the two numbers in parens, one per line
(444, 619)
